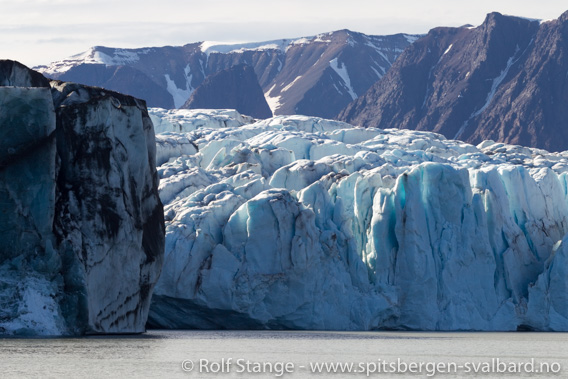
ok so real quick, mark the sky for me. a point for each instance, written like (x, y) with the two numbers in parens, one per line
(37, 32)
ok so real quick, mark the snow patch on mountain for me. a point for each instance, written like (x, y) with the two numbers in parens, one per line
(322, 38)
(494, 86)
(497, 81)
(273, 101)
(119, 57)
(379, 75)
(95, 56)
(208, 47)
(341, 70)
(300, 41)
(411, 38)
(180, 95)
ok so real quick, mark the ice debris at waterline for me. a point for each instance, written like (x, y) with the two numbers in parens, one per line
(301, 222)
(81, 222)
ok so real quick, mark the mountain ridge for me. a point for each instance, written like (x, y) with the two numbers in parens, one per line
(498, 81)
(293, 73)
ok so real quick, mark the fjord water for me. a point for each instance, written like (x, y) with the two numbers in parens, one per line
(160, 354)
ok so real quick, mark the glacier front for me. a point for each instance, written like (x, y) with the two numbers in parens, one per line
(304, 223)
(80, 217)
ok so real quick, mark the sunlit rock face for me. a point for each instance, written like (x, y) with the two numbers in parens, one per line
(301, 222)
(504, 80)
(81, 221)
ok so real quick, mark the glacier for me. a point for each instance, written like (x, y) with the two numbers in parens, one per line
(80, 216)
(304, 223)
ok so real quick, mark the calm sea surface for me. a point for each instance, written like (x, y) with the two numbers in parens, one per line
(266, 354)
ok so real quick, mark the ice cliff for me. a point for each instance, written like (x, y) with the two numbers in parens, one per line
(301, 222)
(80, 217)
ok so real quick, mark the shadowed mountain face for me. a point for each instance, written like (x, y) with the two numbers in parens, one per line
(120, 78)
(234, 88)
(316, 76)
(505, 80)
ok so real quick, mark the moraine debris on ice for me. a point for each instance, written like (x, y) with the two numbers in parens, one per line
(80, 217)
(301, 222)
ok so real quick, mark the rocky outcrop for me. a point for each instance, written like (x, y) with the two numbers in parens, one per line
(235, 88)
(81, 221)
(504, 80)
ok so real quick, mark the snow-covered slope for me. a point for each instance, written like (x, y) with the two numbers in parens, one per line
(300, 222)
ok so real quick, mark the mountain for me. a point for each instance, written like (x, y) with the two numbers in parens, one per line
(316, 75)
(81, 221)
(299, 222)
(504, 80)
(234, 88)
(120, 79)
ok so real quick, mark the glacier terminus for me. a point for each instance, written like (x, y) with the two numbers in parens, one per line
(293, 222)
(299, 222)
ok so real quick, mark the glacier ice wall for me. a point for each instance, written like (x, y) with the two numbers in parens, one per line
(80, 217)
(300, 222)
(29, 268)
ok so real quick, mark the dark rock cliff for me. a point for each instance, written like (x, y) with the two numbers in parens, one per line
(504, 80)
